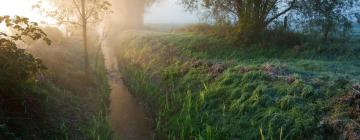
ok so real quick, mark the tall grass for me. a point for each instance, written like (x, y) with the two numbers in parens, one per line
(203, 88)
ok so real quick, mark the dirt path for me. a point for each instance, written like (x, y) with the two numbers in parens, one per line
(127, 117)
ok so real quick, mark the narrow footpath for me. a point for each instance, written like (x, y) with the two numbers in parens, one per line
(127, 117)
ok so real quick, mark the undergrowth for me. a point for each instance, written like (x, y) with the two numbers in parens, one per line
(64, 104)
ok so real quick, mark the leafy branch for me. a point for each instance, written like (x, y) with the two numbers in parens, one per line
(22, 27)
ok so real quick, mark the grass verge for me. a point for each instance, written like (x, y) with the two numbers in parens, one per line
(203, 87)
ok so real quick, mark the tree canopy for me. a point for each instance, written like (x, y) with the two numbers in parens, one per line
(78, 13)
(248, 15)
(328, 16)
(256, 16)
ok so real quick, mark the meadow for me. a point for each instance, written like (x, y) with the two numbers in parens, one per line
(205, 87)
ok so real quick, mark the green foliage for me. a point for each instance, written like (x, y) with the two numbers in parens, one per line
(328, 17)
(21, 27)
(250, 18)
(223, 31)
(17, 67)
(211, 90)
(74, 106)
(52, 104)
(248, 15)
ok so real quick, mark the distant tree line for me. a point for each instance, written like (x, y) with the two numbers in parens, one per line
(257, 16)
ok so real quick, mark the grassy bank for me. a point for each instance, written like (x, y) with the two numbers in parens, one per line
(65, 103)
(203, 87)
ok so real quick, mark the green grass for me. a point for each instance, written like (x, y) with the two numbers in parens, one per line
(204, 87)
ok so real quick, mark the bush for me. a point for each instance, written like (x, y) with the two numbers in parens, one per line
(225, 31)
(274, 37)
(18, 69)
(283, 38)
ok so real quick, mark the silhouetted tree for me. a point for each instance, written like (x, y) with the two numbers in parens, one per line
(79, 13)
(255, 16)
(130, 13)
(329, 16)
(248, 15)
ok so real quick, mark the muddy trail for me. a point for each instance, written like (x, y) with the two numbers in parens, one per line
(127, 117)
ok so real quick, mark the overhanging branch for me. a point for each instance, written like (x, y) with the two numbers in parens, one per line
(281, 13)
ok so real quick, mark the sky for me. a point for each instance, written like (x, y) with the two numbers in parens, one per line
(169, 12)
(17, 7)
(22, 8)
(165, 11)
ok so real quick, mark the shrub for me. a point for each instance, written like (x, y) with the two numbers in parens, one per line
(18, 69)
(274, 37)
(225, 31)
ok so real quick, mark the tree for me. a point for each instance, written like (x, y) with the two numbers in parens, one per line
(328, 16)
(18, 68)
(255, 16)
(130, 13)
(79, 13)
(247, 15)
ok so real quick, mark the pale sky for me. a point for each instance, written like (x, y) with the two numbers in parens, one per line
(18, 7)
(23, 8)
(169, 12)
(165, 11)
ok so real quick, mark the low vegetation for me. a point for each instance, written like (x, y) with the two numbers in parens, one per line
(258, 69)
(52, 98)
(207, 87)
(76, 106)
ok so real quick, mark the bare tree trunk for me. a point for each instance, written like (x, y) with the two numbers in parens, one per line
(84, 26)
(286, 23)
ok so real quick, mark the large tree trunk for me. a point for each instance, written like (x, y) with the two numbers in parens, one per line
(84, 26)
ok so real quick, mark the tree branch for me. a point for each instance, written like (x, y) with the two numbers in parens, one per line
(91, 11)
(77, 7)
(70, 22)
(281, 13)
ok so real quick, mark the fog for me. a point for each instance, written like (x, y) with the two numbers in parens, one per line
(134, 13)
(169, 12)
(125, 11)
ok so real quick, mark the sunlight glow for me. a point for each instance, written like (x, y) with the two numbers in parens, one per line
(24, 8)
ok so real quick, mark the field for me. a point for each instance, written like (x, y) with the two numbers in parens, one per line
(205, 87)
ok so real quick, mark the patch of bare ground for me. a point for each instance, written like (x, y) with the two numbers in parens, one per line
(345, 120)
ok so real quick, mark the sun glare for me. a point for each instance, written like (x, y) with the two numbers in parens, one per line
(24, 8)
